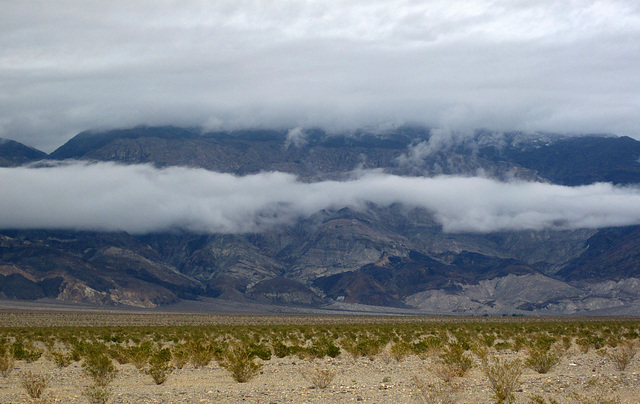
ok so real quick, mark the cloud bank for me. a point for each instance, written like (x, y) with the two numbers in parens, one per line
(142, 199)
(72, 65)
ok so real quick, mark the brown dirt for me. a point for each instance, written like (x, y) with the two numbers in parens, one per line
(382, 380)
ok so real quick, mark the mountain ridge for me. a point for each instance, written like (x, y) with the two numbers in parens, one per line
(381, 256)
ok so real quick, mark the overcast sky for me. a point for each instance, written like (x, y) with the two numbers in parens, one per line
(72, 65)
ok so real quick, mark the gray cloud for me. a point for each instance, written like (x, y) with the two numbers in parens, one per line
(296, 138)
(557, 66)
(140, 199)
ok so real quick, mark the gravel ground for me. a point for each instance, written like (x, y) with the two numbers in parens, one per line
(382, 380)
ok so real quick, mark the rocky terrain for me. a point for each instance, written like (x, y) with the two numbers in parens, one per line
(345, 258)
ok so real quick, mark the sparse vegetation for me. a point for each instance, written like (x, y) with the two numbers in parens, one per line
(34, 384)
(61, 359)
(542, 358)
(599, 390)
(623, 355)
(453, 362)
(246, 346)
(100, 369)
(320, 377)
(239, 361)
(96, 394)
(159, 367)
(435, 393)
(6, 364)
(504, 378)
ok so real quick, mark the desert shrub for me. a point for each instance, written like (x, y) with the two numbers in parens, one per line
(589, 342)
(6, 364)
(119, 353)
(319, 377)
(139, 354)
(159, 366)
(453, 362)
(96, 394)
(180, 355)
(61, 359)
(503, 346)
(25, 351)
(427, 345)
(240, 362)
(201, 354)
(260, 350)
(519, 342)
(280, 350)
(543, 341)
(600, 390)
(542, 359)
(623, 355)
(503, 377)
(435, 393)
(332, 350)
(320, 348)
(488, 340)
(100, 369)
(82, 349)
(400, 350)
(367, 345)
(34, 384)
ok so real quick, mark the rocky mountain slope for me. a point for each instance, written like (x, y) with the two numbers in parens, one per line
(13, 153)
(383, 256)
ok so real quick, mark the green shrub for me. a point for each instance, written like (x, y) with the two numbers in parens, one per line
(239, 361)
(139, 354)
(503, 377)
(160, 366)
(261, 351)
(453, 362)
(542, 360)
(61, 359)
(503, 346)
(100, 369)
(400, 350)
(364, 346)
(201, 354)
(97, 394)
(23, 351)
(180, 355)
(280, 350)
(592, 341)
(119, 353)
(427, 346)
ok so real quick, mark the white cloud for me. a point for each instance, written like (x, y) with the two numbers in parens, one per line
(141, 199)
(74, 65)
(296, 138)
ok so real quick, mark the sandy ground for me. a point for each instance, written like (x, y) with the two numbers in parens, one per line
(382, 380)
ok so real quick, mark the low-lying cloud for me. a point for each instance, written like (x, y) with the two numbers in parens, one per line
(142, 199)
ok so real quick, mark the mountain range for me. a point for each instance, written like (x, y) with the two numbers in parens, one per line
(373, 258)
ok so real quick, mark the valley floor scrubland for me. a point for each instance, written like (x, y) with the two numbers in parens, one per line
(99, 357)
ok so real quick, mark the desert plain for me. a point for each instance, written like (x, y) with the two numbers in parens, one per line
(318, 359)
